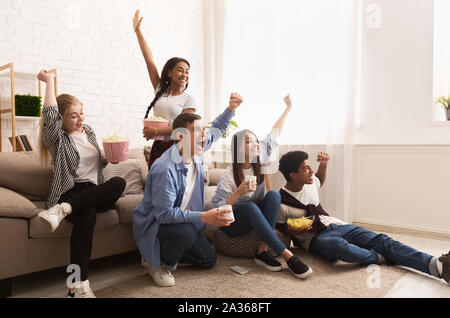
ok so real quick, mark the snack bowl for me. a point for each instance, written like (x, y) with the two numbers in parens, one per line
(299, 224)
(156, 122)
(116, 148)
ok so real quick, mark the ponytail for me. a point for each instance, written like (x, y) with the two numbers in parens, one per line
(157, 96)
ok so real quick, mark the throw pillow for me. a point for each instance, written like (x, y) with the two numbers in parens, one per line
(131, 171)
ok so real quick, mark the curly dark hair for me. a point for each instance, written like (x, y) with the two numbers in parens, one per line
(290, 162)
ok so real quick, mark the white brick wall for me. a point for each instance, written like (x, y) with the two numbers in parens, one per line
(94, 48)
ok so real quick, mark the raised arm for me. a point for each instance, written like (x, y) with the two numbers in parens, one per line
(52, 120)
(146, 52)
(50, 98)
(279, 124)
(321, 173)
(220, 124)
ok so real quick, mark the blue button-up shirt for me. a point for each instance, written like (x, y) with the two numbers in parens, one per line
(164, 190)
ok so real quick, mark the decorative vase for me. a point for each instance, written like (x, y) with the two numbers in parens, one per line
(448, 113)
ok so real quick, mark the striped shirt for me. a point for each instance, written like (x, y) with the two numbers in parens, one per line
(65, 156)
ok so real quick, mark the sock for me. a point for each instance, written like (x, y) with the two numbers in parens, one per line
(439, 267)
(434, 267)
(381, 259)
(66, 207)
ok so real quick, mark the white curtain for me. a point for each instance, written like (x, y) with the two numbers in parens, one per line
(441, 83)
(307, 48)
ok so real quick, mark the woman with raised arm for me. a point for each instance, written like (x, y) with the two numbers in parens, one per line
(252, 209)
(77, 190)
(170, 96)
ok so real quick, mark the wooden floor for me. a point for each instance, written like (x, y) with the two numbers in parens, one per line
(109, 271)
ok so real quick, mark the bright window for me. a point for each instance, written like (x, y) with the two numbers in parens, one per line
(305, 48)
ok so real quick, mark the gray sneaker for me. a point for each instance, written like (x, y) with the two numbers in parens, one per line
(445, 259)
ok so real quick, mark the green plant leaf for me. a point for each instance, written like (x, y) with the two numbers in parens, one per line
(27, 105)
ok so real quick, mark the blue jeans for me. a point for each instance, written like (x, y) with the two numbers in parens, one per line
(356, 244)
(261, 218)
(184, 244)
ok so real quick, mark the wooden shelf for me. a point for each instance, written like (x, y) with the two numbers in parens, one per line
(7, 71)
(26, 118)
(21, 76)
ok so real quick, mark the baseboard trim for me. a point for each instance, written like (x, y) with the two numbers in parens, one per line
(380, 226)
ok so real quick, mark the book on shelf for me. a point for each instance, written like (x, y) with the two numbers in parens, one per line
(19, 144)
(26, 143)
(22, 143)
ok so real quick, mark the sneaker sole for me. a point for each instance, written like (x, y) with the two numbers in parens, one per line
(303, 275)
(42, 215)
(268, 267)
(162, 285)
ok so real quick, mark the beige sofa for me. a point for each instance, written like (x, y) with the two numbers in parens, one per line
(27, 244)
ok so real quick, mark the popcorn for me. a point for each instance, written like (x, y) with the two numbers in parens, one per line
(116, 148)
(115, 138)
(156, 119)
(299, 223)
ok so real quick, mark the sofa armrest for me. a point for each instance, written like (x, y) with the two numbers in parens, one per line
(14, 205)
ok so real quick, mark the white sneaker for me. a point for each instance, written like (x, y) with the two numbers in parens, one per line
(161, 276)
(54, 215)
(82, 291)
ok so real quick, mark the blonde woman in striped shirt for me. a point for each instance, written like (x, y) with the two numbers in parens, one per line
(77, 190)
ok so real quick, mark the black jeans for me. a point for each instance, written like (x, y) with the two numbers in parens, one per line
(86, 200)
(184, 244)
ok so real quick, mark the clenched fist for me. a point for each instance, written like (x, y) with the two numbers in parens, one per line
(323, 157)
(287, 100)
(44, 76)
(235, 101)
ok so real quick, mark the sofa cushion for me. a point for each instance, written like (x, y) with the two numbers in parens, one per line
(138, 153)
(126, 205)
(209, 194)
(214, 176)
(40, 228)
(23, 173)
(131, 171)
(15, 205)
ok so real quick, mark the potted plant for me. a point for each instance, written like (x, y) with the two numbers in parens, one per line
(445, 104)
(231, 127)
(27, 105)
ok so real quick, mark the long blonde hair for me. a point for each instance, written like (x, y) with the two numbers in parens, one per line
(64, 102)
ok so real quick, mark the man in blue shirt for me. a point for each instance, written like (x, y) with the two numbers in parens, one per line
(168, 222)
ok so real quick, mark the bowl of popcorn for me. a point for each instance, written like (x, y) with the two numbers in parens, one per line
(116, 148)
(299, 224)
(156, 122)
